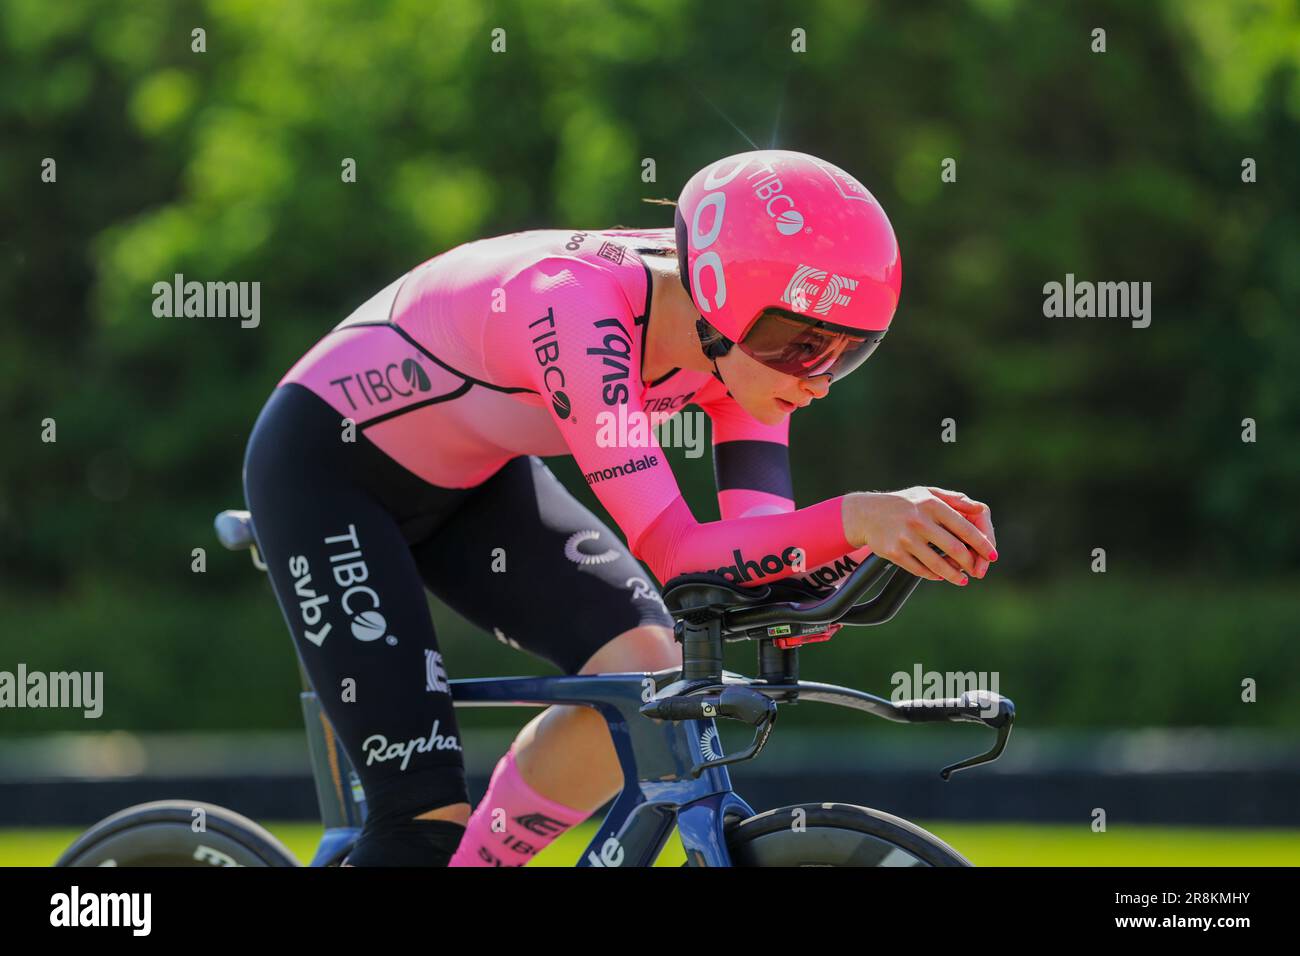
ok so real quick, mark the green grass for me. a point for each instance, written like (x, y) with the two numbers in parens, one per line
(983, 844)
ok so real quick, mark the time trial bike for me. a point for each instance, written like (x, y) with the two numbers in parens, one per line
(664, 730)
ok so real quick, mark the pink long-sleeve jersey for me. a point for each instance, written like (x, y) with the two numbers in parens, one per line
(532, 344)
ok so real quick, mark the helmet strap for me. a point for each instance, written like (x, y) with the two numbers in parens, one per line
(713, 345)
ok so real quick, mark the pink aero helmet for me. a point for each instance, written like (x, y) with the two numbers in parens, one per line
(802, 242)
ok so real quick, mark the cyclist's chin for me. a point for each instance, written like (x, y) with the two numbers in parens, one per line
(770, 410)
(783, 408)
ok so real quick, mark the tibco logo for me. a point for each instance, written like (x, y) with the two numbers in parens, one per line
(368, 624)
(666, 404)
(377, 387)
(743, 570)
(779, 206)
(813, 290)
(546, 347)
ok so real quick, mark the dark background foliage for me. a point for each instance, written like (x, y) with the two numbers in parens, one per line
(1081, 433)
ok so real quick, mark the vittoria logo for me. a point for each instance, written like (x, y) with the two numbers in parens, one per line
(631, 466)
(743, 570)
(546, 347)
(616, 356)
(813, 290)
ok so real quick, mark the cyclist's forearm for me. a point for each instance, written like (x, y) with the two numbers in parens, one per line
(747, 550)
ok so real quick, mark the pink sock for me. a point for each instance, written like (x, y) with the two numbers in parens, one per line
(526, 822)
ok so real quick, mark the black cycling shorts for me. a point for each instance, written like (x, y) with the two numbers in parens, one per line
(352, 540)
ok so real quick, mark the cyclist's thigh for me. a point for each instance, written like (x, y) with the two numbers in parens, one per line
(352, 596)
(524, 559)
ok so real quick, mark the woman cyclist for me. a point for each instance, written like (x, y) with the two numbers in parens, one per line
(403, 452)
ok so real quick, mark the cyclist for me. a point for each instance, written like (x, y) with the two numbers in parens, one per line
(403, 452)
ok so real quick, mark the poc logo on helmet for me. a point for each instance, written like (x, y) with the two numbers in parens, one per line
(768, 190)
(814, 290)
(714, 179)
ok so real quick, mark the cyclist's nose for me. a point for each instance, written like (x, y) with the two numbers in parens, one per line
(818, 385)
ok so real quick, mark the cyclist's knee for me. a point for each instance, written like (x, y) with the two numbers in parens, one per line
(648, 648)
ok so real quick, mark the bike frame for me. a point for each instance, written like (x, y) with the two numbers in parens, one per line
(663, 723)
(656, 758)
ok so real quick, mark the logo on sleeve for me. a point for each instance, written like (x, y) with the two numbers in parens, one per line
(742, 571)
(546, 348)
(611, 251)
(616, 357)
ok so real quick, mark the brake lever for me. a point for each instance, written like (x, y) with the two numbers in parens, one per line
(733, 703)
(757, 710)
(1002, 721)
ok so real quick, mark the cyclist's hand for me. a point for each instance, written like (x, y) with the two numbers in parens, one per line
(906, 527)
(978, 514)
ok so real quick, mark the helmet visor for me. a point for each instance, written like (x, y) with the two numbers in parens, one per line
(802, 347)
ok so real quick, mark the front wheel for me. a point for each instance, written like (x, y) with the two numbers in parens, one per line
(835, 834)
(176, 833)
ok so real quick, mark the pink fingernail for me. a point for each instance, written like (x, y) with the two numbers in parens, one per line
(964, 580)
(993, 555)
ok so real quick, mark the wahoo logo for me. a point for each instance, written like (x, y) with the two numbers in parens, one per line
(743, 570)
(616, 355)
(813, 286)
(828, 574)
